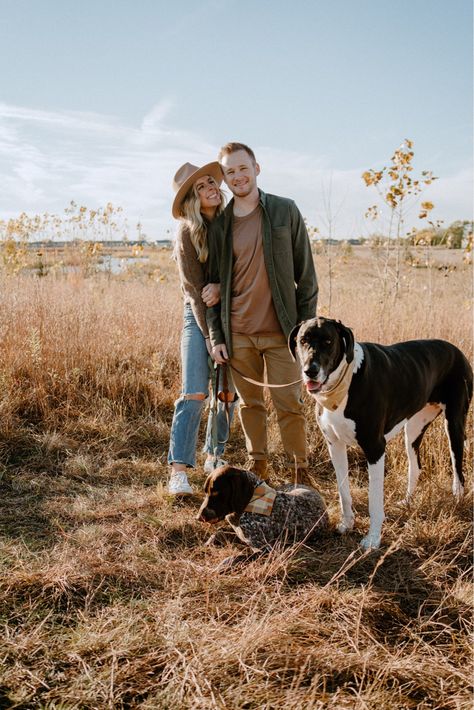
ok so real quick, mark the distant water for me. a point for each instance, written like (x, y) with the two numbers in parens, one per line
(107, 264)
(117, 265)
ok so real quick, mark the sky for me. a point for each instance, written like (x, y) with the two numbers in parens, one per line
(103, 100)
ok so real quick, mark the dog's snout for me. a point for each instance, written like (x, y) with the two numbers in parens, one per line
(200, 513)
(205, 514)
(311, 370)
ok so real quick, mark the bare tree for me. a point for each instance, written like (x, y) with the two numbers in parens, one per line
(329, 222)
(399, 190)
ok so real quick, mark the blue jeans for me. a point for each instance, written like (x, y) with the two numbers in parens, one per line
(196, 374)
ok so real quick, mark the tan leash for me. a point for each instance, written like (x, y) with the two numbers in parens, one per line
(262, 384)
(265, 384)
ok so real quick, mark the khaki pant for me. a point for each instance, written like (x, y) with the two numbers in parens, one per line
(252, 355)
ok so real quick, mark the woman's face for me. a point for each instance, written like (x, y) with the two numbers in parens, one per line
(209, 195)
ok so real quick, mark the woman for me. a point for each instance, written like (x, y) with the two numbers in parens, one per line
(198, 200)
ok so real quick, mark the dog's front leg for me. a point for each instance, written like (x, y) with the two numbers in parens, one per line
(376, 504)
(338, 454)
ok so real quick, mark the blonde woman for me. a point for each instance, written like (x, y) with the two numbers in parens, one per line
(198, 200)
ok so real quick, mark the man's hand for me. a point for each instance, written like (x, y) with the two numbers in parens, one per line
(219, 354)
(211, 294)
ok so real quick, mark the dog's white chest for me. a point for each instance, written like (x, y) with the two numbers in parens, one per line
(336, 427)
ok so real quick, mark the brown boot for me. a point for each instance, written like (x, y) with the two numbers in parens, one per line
(259, 468)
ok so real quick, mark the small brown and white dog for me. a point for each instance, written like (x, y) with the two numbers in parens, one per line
(366, 393)
(262, 516)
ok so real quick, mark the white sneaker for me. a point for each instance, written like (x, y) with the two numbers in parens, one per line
(211, 465)
(178, 484)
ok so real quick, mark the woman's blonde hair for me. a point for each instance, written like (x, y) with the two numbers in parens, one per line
(191, 210)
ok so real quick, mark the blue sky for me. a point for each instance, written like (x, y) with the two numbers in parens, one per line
(103, 100)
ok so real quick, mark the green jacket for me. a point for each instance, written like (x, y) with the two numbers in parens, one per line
(288, 260)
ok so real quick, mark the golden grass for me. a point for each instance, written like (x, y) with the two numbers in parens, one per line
(109, 597)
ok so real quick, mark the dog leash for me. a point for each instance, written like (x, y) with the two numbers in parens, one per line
(263, 384)
(222, 395)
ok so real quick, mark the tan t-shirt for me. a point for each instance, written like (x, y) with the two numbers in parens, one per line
(252, 311)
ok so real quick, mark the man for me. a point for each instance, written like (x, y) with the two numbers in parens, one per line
(260, 253)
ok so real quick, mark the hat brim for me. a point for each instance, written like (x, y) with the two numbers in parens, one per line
(214, 169)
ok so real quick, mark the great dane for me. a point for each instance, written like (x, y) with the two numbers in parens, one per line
(366, 393)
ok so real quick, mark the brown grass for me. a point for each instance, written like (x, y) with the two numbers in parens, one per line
(109, 597)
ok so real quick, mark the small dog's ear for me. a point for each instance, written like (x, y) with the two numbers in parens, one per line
(348, 338)
(292, 341)
(241, 490)
(207, 484)
(205, 502)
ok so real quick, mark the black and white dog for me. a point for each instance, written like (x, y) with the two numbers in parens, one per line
(366, 393)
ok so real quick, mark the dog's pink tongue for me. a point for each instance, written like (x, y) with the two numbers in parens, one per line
(312, 386)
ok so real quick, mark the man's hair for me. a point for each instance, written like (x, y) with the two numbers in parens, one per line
(233, 147)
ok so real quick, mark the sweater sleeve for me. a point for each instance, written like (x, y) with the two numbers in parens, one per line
(304, 271)
(214, 312)
(192, 277)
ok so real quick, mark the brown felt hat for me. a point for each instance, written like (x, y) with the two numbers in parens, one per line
(186, 176)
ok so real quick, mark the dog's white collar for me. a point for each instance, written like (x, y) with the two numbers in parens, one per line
(331, 398)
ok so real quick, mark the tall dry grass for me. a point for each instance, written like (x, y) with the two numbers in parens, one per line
(109, 597)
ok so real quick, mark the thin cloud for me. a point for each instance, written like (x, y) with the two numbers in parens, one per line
(153, 120)
(49, 158)
(79, 120)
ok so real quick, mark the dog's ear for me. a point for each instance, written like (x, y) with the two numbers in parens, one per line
(208, 484)
(292, 341)
(348, 339)
(205, 502)
(241, 490)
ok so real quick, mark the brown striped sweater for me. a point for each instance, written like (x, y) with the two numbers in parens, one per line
(193, 275)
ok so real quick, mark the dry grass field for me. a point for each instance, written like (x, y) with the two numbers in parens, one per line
(109, 597)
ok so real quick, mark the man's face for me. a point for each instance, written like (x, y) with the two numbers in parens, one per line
(240, 172)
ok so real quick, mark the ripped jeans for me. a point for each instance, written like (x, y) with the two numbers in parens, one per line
(196, 375)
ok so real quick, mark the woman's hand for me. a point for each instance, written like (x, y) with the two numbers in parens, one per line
(211, 294)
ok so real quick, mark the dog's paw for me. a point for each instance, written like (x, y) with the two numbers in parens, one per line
(345, 526)
(221, 538)
(458, 490)
(236, 561)
(227, 564)
(370, 541)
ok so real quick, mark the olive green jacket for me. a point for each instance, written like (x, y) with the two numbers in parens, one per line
(288, 260)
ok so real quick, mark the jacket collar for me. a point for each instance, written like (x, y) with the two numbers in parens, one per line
(229, 210)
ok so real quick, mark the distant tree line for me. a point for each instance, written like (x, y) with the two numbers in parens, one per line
(453, 237)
